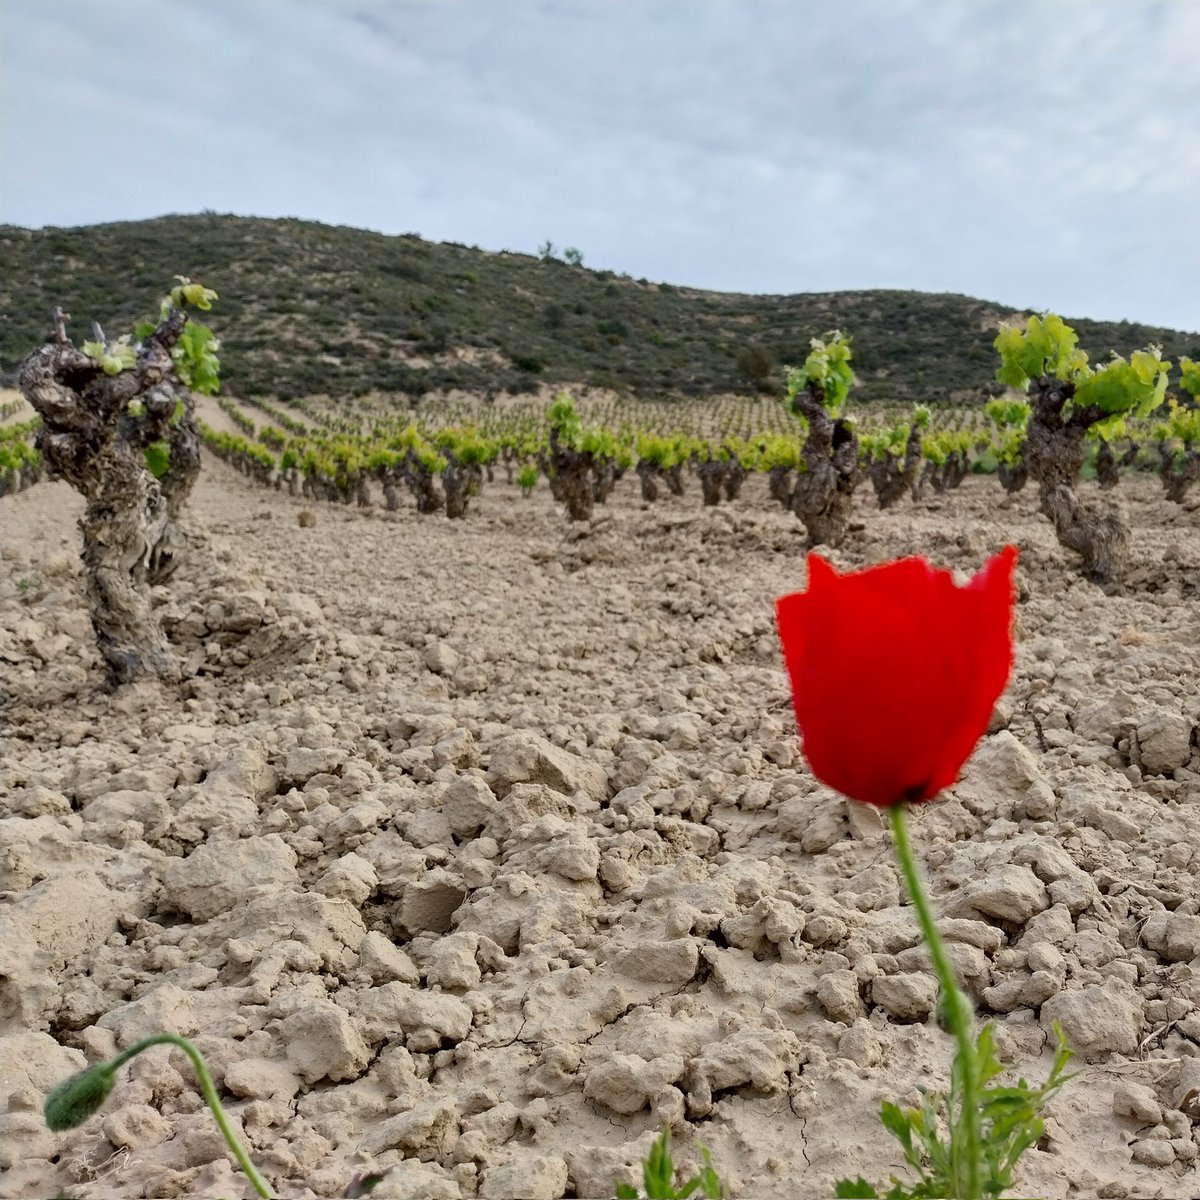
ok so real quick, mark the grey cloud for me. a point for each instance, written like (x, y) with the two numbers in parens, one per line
(1044, 155)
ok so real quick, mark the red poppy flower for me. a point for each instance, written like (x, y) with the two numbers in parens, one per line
(895, 671)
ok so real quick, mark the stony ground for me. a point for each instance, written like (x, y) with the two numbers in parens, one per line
(478, 851)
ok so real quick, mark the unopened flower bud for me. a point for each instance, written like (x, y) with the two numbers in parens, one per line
(81, 1096)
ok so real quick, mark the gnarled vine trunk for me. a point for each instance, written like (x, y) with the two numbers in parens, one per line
(460, 481)
(892, 476)
(734, 478)
(125, 525)
(712, 476)
(1100, 535)
(824, 494)
(780, 486)
(1177, 472)
(1013, 476)
(570, 473)
(647, 473)
(1054, 453)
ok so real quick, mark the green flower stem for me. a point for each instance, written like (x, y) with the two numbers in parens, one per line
(210, 1095)
(958, 1012)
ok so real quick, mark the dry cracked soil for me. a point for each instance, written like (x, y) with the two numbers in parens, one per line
(478, 851)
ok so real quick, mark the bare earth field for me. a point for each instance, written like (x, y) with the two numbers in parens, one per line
(479, 850)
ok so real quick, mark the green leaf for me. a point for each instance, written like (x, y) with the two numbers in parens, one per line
(158, 458)
(855, 1189)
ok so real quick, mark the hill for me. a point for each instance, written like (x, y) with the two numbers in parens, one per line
(308, 308)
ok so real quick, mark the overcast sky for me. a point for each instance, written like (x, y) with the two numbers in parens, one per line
(1042, 153)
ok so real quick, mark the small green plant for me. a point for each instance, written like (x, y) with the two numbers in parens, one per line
(25, 585)
(527, 478)
(935, 1139)
(658, 1176)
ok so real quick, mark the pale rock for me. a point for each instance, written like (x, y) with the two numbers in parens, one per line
(238, 613)
(1138, 1102)
(1174, 936)
(998, 775)
(525, 1176)
(571, 854)
(824, 929)
(35, 1060)
(816, 822)
(1048, 861)
(526, 758)
(62, 916)
(321, 1042)
(261, 1079)
(218, 875)
(115, 808)
(429, 827)
(426, 1180)
(761, 1058)
(441, 658)
(768, 921)
(427, 1132)
(595, 1170)
(1107, 721)
(910, 996)
(157, 779)
(1185, 1094)
(877, 887)
(433, 1016)
(970, 963)
(165, 1009)
(1101, 1019)
(474, 677)
(297, 604)
(1038, 804)
(1043, 956)
(202, 812)
(450, 962)
(680, 731)
(838, 996)
(37, 801)
(241, 771)
(349, 878)
(1053, 926)
(24, 1136)
(860, 1043)
(468, 804)
(670, 963)
(1023, 990)
(972, 933)
(457, 749)
(360, 818)
(1152, 1152)
(304, 762)
(1163, 741)
(498, 1123)
(1009, 893)
(627, 1083)
(136, 1127)
(385, 962)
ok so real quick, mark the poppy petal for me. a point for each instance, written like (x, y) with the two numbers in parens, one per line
(894, 672)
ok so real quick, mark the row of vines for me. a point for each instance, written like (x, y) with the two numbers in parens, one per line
(117, 420)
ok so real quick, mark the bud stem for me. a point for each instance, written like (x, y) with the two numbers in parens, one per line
(209, 1091)
(966, 1167)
